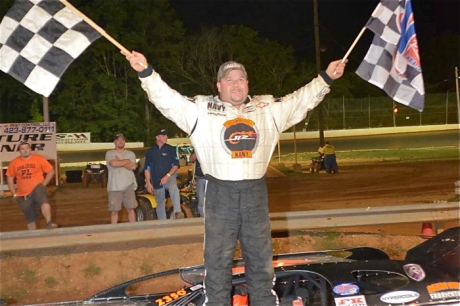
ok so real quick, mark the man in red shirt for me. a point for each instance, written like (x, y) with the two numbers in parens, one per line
(28, 169)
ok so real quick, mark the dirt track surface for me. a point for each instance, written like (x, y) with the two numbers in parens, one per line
(383, 184)
(77, 273)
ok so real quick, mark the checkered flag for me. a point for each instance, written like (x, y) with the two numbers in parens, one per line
(38, 41)
(392, 63)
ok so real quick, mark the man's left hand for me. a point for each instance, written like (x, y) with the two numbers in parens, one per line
(164, 180)
(336, 69)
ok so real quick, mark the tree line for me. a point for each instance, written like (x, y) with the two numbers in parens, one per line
(100, 93)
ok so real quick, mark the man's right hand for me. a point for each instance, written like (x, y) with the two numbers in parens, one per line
(150, 188)
(136, 60)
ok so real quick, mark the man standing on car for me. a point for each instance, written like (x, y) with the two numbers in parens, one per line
(161, 164)
(234, 136)
(28, 169)
(122, 183)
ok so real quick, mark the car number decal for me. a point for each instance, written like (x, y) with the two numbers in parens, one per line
(170, 297)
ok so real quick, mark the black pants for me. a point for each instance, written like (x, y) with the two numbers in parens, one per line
(238, 210)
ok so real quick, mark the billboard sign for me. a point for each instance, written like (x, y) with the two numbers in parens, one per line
(40, 135)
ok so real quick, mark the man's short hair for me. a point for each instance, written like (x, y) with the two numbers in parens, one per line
(161, 132)
(225, 68)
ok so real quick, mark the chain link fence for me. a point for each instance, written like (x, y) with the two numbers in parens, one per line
(375, 112)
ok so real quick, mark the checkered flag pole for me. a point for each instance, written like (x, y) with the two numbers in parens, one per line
(39, 39)
(356, 40)
(96, 27)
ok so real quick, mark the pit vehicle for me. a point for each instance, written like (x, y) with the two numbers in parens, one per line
(147, 202)
(95, 173)
(317, 163)
(184, 151)
(360, 276)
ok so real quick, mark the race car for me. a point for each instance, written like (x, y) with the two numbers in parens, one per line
(361, 276)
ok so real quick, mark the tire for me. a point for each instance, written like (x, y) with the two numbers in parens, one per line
(104, 179)
(317, 167)
(312, 169)
(144, 210)
(186, 210)
(85, 180)
(73, 176)
(189, 207)
(169, 212)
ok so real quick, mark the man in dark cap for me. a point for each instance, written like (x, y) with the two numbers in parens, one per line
(161, 164)
(121, 184)
(234, 136)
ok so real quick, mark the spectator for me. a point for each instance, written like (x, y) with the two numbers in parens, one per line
(330, 161)
(200, 183)
(161, 164)
(122, 183)
(29, 171)
(234, 136)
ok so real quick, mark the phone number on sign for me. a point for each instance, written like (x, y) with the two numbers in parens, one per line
(28, 129)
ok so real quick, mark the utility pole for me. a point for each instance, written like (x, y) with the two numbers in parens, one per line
(46, 114)
(318, 70)
(458, 95)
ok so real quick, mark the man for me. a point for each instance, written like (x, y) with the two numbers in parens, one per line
(122, 183)
(200, 183)
(161, 164)
(28, 169)
(234, 136)
(330, 161)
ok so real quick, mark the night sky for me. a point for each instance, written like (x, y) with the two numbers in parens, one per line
(290, 22)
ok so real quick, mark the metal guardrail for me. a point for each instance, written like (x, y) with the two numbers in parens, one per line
(166, 231)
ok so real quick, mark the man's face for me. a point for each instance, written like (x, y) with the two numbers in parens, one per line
(162, 139)
(24, 150)
(233, 88)
(120, 142)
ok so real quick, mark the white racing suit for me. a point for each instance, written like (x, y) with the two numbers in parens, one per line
(234, 147)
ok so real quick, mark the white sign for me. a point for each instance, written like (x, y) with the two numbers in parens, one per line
(400, 297)
(40, 135)
(357, 300)
(71, 138)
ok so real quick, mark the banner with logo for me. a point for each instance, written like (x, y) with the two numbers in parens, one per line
(40, 135)
(71, 138)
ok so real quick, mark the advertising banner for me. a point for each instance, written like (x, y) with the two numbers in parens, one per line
(40, 135)
(72, 138)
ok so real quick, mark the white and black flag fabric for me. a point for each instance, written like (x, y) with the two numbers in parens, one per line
(392, 63)
(39, 39)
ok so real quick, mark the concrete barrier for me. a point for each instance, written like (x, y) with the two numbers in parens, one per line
(167, 231)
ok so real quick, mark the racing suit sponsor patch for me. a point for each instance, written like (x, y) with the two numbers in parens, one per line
(240, 137)
(216, 108)
(261, 104)
(323, 92)
(193, 100)
(249, 109)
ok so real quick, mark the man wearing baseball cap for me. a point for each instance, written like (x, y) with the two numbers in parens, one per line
(161, 164)
(234, 136)
(122, 184)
